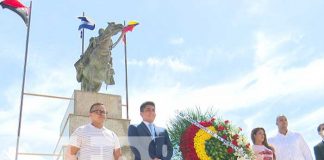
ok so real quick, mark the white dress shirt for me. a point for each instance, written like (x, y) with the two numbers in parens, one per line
(291, 146)
(152, 130)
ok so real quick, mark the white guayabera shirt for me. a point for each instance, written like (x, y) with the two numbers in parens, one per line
(291, 146)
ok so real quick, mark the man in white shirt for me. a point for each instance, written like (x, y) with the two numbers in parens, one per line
(93, 141)
(289, 145)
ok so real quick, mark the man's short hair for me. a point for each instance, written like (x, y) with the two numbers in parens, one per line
(143, 105)
(280, 115)
(319, 127)
(95, 104)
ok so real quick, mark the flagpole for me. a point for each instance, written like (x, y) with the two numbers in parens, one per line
(126, 77)
(82, 34)
(23, 82)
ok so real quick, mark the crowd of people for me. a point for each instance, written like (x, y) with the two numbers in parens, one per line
(94, 141)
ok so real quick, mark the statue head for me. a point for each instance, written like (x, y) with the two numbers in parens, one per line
(101, 31)
(114, 28)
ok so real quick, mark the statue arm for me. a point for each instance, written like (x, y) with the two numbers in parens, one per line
(119, 38)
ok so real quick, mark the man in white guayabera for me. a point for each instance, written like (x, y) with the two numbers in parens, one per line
(93, 141)
(289, 145)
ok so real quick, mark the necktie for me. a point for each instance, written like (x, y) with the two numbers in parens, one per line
(151, 126)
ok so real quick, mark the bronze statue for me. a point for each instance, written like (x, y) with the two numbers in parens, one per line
(95, 64)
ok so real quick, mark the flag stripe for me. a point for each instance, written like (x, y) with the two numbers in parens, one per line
(86, 23)
(128, 28)
(13, 3)
(87, 26)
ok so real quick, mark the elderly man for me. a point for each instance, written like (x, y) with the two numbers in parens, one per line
(93, 141)
(289, 145)
(319, 148)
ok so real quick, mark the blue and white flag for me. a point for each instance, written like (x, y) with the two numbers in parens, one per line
(87, 23)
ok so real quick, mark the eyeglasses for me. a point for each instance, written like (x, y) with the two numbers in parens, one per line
(99, 112)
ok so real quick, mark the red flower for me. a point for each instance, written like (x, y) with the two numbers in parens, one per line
(247, 146)
(224, 136)
(212, 119)
(220, 128)
(227, 121)
(230, 150)
(236, 136)
(234, 142)
(240, 128)
(203, 122)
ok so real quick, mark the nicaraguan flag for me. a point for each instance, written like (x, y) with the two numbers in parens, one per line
(87, 23)
(17, 7)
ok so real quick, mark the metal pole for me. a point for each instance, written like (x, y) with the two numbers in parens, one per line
(82, 34)
(23, 82)
(126, 77)
(47, 96)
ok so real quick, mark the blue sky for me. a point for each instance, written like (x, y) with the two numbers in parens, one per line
(250, 60)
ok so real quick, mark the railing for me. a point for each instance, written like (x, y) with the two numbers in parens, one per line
(69, 110)
(61, 153)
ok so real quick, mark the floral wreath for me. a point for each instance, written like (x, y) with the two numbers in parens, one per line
(195, 143)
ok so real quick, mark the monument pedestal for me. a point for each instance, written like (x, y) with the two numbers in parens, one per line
(77, 115)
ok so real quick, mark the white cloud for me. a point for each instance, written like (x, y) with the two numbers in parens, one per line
(177, 65)
(267, 46)
(303, 121)
(173, 63)
(154, 62)
(135, 62)
(257, 7)
(8, 153)
(177, 41)
(268, 83)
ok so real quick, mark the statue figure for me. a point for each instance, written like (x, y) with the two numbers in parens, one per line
(95, 64)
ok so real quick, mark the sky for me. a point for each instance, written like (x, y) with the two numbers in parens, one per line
(249, 60)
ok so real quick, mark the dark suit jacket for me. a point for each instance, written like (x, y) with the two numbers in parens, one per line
(144, 148)
(319, 151)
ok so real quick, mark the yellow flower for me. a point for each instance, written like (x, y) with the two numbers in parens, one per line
(199, 143)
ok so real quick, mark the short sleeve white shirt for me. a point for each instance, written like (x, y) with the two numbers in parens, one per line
(94, 143)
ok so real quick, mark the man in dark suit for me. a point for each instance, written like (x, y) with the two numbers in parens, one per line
(147, 140)
(319, 148)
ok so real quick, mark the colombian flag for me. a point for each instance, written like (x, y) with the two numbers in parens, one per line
(130, 26)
